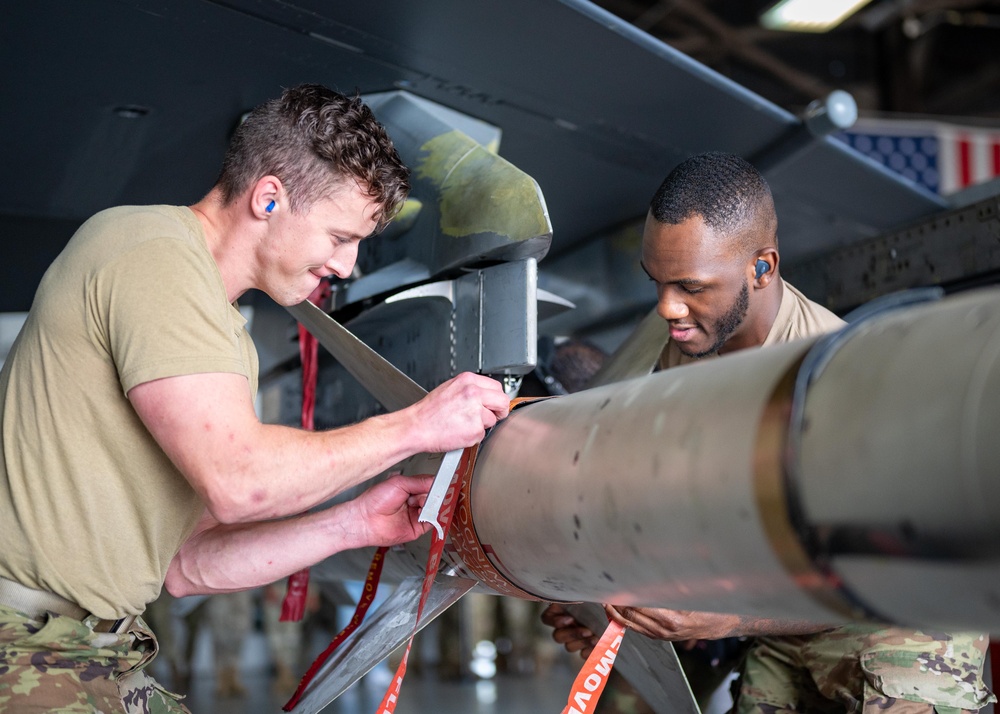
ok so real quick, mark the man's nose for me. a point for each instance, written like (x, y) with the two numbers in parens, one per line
(670, 308)
(343, 260)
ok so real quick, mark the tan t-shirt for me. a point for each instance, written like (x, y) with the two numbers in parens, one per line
(90, 506)
(797, 317)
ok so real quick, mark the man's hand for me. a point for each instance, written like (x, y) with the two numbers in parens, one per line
(568, 631)
(687, 625)
(389, 510)
(457, 413)
(677, 625)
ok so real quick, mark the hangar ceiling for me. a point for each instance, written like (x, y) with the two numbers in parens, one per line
(933, 57)
(132, 101)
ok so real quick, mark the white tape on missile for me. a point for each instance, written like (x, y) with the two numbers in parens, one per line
(432, 506)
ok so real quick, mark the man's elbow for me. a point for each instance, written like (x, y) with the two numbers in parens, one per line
(230, 501)
(176, 583)
(230, 508)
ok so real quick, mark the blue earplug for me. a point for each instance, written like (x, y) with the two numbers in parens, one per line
(761, 268)
(270, 207)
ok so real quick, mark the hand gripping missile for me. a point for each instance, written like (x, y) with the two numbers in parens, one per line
(386, 383)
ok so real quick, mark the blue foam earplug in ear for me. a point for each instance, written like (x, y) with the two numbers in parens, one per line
(270, 207)
(761, 268)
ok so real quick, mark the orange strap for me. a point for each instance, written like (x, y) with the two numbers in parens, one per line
(589, 683)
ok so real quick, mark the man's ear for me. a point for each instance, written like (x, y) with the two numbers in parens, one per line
(267, 197)
(765, 267)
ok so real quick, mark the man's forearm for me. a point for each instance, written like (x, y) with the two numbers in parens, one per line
(247, 471)
(680, 625)
(282, 471)
(749, 626)
(223, 558)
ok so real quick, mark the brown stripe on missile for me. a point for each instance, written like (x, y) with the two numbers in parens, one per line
(771, 491)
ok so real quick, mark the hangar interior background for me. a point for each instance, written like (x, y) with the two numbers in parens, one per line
(132, 101)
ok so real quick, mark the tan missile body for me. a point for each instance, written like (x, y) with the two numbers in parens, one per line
(827, 479)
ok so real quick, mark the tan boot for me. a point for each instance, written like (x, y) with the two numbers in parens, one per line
(285, 681)
(228, 683)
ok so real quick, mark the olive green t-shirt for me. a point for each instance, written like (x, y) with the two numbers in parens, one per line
(90, 507)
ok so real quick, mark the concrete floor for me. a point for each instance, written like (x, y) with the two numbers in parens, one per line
(505, 694)
(423, 691)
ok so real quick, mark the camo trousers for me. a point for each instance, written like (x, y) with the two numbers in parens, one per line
(865, 669)
(58, 664)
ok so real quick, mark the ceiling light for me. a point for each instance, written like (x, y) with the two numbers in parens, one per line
(809, 15)
(131, 111)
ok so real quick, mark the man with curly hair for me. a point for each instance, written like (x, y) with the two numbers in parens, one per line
(131, 455)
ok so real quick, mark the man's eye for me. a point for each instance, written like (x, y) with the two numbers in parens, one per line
(690, 290)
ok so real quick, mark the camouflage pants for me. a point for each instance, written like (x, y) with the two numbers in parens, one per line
(58, 664)
(865, 669)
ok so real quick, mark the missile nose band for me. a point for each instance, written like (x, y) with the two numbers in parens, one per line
(478, 557)
(475, 554)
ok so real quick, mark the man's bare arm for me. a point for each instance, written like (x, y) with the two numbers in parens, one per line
(682, 625)
(248, 471)
(226, 558)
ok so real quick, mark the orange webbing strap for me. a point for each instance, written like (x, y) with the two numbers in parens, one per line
(364, 602)
(589, 683)
(462, 474)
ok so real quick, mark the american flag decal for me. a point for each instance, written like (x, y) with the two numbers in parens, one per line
(939, 156)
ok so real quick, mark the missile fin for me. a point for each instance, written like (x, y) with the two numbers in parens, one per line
(393, 389)
(379, 635)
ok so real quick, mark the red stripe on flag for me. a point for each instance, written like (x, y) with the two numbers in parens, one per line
(964, 162)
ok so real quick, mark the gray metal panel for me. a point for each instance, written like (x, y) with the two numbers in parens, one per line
(593, 109)
(476, 207)
(509, 318)
(943, 250)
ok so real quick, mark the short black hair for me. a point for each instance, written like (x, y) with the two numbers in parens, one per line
(727, 192)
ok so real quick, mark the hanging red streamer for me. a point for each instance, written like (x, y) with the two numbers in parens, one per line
(364, 602)
(445, 515)
(293, 607)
